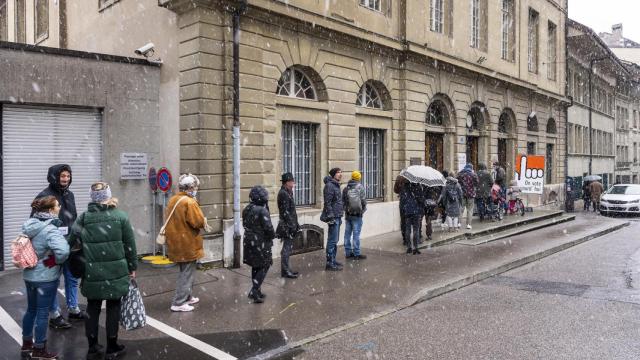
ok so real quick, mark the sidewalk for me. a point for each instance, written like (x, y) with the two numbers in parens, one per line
(322, 303)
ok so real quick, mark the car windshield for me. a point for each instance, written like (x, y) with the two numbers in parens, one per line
(624, 190)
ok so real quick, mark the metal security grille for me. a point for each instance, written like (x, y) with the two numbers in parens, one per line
(298, 158)
(372, 162)
(33, 139)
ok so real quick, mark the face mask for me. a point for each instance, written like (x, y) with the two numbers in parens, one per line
(192, 193)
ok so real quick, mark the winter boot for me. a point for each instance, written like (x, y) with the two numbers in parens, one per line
(26, 349)
(43, 354)
(96, 352)
(114, 350)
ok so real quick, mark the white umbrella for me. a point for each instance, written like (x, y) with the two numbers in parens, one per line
(592, 178)
(424, 175)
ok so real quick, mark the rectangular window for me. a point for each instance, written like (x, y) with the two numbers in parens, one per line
(21, 23)
(552, 52)
(372, 162)
(4, 28)
(299, 158)
(531, 148)
(371, 4)
(437, 15)
(475, 23)
(41, 19)
(549, 163)
(585, 140)
(532, 43)
(572, 140)
(508, 33)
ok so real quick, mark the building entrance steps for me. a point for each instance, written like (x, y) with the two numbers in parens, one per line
(481, 232)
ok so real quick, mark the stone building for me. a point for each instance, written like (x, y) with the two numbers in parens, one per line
(373, 85)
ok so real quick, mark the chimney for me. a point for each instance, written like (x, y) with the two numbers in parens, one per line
(617, 31)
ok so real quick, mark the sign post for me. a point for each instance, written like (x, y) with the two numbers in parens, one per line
(163, 182)
(153, 185)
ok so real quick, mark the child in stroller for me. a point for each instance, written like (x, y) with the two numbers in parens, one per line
(496, 210)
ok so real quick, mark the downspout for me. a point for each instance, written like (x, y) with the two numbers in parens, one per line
(237, 239)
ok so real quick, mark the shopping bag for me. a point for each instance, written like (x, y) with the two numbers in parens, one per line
(132, 314)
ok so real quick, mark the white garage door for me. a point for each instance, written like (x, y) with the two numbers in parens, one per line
(33, 139)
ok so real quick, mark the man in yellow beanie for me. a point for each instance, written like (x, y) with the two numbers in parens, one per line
(354, 198)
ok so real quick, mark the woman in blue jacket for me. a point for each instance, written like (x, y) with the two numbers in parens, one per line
(42, 280)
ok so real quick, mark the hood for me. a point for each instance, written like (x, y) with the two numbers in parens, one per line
(468, 168)
(352, 183)
(53, 176)
(482, 166)
(33, 226)
(259, 195)
(329, 179)
(452, 181)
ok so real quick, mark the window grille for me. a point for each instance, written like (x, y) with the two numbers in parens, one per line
(372, 162)
(507, 30)
(475, 23)
(369, 97)
(298, 158)
(532, 48)
(294, 83)
(437, 16)
(551, 52)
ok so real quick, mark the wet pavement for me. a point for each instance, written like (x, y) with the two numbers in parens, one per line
(297, 311)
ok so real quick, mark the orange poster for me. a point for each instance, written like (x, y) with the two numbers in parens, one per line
(530, 173)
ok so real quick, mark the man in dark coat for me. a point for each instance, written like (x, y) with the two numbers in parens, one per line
(483, 195)
(288, 225)
(412, 199)
(397, 188)
(59, 177)
(332, 215)
(469, 182)
(258, 239)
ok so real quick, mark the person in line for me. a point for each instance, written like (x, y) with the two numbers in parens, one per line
(109, 247)
(258, 240)
(513, 193)
(288, 225)
(496, 199)
(452, 197)
(412, 197)
(483, 195)
(596, 189)
(586, 196)
(354, 198)
(184, 242)
(430, 204)
(59, 177)
(441, 204)
(398, 185)
(42, 281)
(332, 215)
(500, 175)
(468, 181)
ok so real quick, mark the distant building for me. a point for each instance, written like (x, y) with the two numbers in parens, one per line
(625, 49)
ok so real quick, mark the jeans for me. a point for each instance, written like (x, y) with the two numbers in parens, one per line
(93, 317)
(184, 283)
(257, 277)
(285, 253)
(39, 296)
(468, 204)
(353, 224)
(332, 242)
(481, 205)
(70, 292)
(412, 225)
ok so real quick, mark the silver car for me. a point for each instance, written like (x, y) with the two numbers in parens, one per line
(621, 199)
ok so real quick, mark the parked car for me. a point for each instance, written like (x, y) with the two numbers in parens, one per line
(621, 199)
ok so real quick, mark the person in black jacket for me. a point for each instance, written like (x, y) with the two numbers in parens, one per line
(60, 177)
(287, 225)
(332, 215)
(412, 198)
(258, 239)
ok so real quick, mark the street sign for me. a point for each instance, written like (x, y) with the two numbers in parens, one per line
(530, 174)
(164, 180)
(133, 166)
(153, 179)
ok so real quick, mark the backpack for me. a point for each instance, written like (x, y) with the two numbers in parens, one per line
(22, 252)
(354, 202)
(452, 194)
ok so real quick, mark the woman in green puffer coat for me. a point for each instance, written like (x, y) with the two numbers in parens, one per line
(109, 248)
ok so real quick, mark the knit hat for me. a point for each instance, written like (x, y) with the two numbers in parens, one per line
(334, 171)
(100, 192)
(356, 175)
(286, 177)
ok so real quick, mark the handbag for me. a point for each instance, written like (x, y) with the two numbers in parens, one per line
(161, 239)
(132, 313)
(76, 261)
(22, 252)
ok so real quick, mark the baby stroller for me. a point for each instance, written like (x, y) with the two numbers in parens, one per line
(497, 205)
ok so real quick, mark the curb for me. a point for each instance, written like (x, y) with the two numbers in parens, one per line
(430, 293)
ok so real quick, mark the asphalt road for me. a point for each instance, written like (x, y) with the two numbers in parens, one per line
(582, 303)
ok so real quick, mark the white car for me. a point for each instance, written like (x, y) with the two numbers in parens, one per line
(621, 199)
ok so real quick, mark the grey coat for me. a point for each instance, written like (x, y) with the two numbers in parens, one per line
(451, 196)
(485, 182)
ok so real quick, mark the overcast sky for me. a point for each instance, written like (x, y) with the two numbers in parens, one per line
(601, 14)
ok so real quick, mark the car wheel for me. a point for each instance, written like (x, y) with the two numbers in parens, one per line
(604, 213)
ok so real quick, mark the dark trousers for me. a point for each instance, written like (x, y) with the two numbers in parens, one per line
(93, 317)
(285, 253)
(481, 204)
(428, 227)
(257, 277)
(402, 229)
(412, 227)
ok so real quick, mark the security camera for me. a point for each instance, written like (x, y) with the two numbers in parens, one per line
(146, 50)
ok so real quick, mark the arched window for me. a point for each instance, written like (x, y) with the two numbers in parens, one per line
(437, 114)
(532, 122)
(294, 83)
(551, 126)
(369, 97)
(503, 123)
(476, 117)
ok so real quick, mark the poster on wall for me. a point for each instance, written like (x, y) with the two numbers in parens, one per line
(530, 173)
(462, 161)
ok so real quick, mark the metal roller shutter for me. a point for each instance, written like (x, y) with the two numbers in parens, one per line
(33, 139)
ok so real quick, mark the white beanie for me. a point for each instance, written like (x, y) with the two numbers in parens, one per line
(188, 181)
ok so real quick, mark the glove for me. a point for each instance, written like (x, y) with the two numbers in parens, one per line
(50, 261)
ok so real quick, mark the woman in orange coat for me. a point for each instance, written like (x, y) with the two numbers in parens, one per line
(184, 242)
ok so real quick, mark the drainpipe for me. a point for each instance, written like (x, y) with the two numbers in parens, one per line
(237, 239)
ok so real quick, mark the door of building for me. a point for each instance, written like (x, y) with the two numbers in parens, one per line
(502, 152)
(472, 151)
(33, 139)
(434, 150)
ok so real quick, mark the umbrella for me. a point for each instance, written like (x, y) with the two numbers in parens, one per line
(592, 178)
(424, 175)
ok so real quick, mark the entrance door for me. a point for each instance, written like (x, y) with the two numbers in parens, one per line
(434, 150)
(472, 151)
(502, 152)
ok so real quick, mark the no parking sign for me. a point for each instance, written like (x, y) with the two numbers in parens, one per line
(164, 179)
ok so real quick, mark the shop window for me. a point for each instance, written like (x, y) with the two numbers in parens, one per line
(299, 158)
(372, 162)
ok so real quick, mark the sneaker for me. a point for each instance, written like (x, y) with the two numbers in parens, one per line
(360, 257)
(59, 323)
(80, 315)
(468, 227)
(43, 354)
(194, 300)
(182, 308)
(332, 268)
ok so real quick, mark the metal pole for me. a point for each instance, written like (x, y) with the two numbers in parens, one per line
(164, 206)
(153, 221)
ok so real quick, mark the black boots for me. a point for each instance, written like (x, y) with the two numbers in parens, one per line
(114, 350)
(289, 274)
(255, 297)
